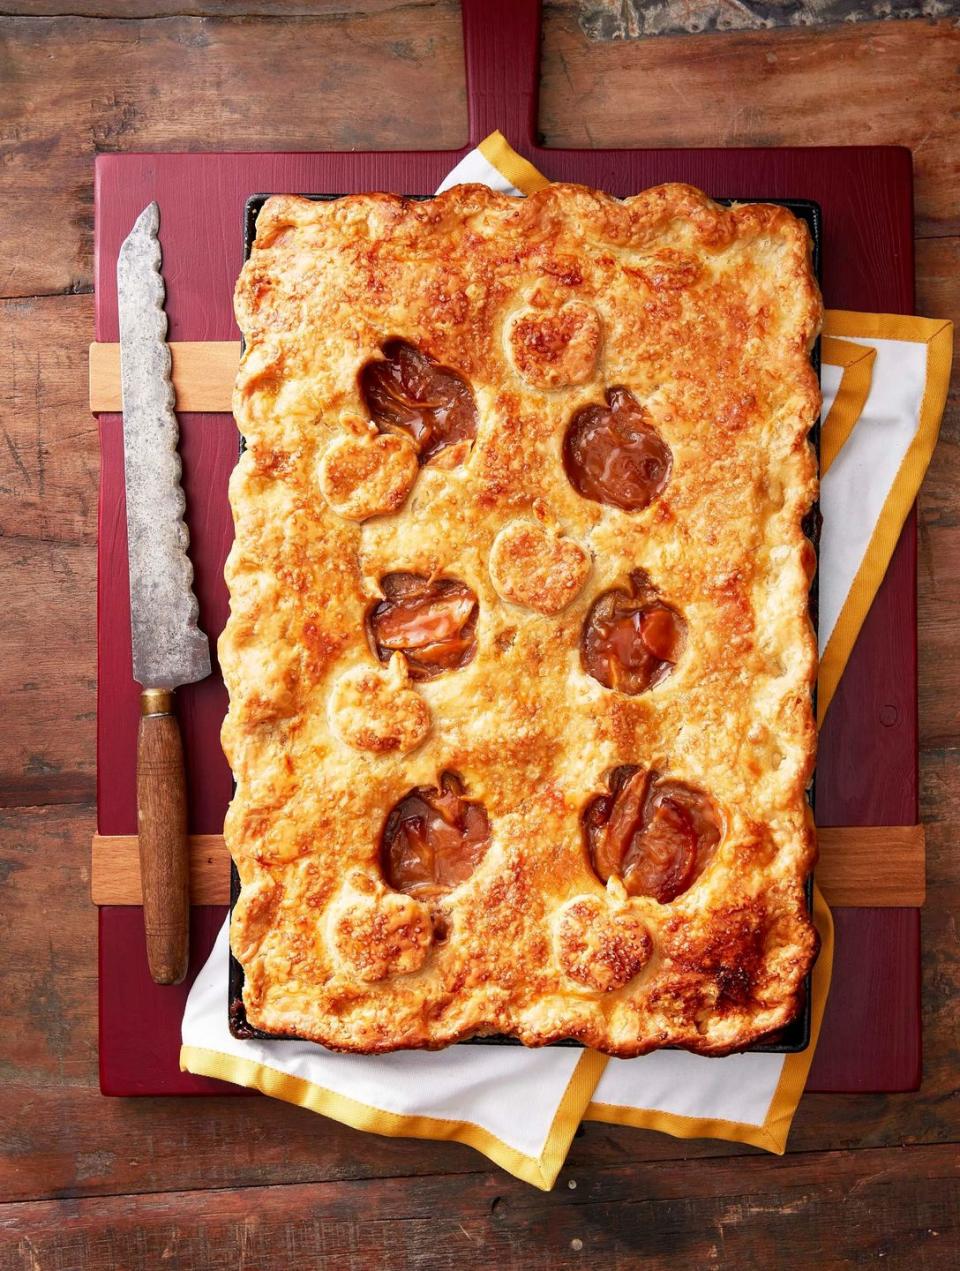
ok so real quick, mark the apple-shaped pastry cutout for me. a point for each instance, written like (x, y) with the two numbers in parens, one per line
(556, 347)
(534, 566)
(600, 947)
(375, 709)
(367, 475)
(375, 933)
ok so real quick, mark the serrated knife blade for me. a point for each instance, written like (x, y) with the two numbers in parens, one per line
(169, 649)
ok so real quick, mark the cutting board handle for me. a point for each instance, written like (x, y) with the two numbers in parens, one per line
(501, 43)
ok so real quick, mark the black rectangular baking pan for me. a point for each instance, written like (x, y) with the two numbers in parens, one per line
(795, 1037)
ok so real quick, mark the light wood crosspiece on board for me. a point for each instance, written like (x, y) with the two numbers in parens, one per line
(203, 374)
(862, 866)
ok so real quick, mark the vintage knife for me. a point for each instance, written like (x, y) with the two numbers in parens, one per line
(168, 647)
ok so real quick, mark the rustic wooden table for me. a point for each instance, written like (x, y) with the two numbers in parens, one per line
(90, 1182)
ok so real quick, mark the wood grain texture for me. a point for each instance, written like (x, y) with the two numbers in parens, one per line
(47, 671)
(203, 373)
(876, 83)
(163, 854)
(115, 870)
(938, 293)
(130, 9)
(49, 460)
(337, 81)
(60, 1138)
(893, 1205)
(859, 866)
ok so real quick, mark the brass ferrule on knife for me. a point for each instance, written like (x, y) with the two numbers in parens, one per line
(156, 701)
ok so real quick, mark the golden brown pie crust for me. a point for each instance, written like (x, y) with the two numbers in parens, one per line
(707, 316)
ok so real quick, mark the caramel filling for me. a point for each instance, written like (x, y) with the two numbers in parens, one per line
(631, 640)
(408, 392)
(657, 836)
(434, 839)
(430, 621)
(613, 454)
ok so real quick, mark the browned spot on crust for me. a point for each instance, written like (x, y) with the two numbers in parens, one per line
(322, 647)
(668, 270)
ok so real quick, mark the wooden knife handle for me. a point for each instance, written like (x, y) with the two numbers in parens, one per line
(162, 827)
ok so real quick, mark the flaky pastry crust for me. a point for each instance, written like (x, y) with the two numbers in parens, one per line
(707, 315)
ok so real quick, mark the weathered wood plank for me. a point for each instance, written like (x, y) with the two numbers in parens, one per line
(844, 85)
(938, 294)
(50, 972)
(47, 671)
(49, 459)
(62, 1138)
(898, 1204)
(129, 9)
(48, 512)
(336, 82)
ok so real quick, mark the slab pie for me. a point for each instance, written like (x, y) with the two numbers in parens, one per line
(519, 655)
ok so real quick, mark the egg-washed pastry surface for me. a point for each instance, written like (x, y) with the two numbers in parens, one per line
(519, 654)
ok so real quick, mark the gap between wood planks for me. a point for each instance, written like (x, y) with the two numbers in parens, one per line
(225, 12)
(744, 1159)
(77, 289)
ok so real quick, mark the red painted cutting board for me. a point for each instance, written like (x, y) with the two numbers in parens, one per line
(867, 771)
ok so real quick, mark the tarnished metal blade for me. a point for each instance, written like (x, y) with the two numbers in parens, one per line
(168, 647)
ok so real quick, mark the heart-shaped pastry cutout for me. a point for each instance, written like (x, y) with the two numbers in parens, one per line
(556, 347)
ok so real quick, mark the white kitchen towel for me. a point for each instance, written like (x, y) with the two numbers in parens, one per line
(522, 1107)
